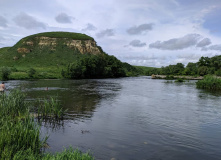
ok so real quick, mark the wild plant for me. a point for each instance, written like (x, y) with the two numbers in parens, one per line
(51, 108)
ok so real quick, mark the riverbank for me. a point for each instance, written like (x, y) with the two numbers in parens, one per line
(210, 83)
(20, 132)
(176, 77)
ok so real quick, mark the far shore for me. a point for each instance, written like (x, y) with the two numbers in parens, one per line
(176, 77)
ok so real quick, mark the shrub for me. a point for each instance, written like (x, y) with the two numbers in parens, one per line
(209, 82)
(169, 77)
(5, 73)
(31, 72)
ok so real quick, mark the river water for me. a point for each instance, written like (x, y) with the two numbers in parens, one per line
(132, 118)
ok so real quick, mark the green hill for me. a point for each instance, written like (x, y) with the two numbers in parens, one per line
(50, 53)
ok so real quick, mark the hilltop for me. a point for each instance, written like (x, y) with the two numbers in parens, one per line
(50, 53)
(58, 47)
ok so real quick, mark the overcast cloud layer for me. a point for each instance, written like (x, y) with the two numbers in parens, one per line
(142, 32)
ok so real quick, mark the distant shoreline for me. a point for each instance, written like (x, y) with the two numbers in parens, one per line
(176, 77)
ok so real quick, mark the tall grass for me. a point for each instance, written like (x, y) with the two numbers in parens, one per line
(51, 108)
(13, 104)
(68, 154)
(209, 82)
(20, 134)
(18, 131)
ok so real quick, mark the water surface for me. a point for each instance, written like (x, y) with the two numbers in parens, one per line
(132, 118)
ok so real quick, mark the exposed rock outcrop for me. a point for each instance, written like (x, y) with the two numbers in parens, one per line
(84, 46)
(23, 50)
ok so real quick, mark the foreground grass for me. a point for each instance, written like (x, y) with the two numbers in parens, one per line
(209, 82)
(20, 134)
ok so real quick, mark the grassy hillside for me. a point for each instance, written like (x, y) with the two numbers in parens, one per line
(76, 36)
(49, 56)
(48, 61)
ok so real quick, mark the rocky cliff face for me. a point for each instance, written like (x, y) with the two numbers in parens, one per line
(84, 46)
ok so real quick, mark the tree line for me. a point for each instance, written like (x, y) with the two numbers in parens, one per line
(204, 66)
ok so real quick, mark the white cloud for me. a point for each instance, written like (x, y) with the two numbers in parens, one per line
(177, 43)
(140, 29)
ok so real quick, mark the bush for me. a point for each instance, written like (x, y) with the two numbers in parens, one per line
(169, 77)
(209, 82)
(31, 72)
(179, 80)
(5, 73)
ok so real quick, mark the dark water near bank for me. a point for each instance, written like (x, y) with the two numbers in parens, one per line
(133, 118)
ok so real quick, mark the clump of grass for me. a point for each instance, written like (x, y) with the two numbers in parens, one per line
(51, 108)
(69, 154)
(209, 82)
(169, 81)
(13, 105)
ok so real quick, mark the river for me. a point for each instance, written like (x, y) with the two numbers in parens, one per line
(132, 118)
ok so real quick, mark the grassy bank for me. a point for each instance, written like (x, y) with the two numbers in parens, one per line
(209, 82)
(20, 134)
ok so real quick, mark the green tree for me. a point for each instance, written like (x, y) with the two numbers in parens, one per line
(95, 66)
(204, 61)
(203, 70)
(191, 69)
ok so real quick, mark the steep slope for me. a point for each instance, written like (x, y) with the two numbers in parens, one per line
(50, 48)
(47, 55)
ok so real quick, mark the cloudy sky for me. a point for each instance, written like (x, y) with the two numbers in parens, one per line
(141, 32)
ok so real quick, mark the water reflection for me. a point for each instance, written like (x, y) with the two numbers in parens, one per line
(79, 97)
(53, 124)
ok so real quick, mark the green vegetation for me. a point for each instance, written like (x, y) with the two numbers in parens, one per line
(68, 154)
(148, 71)
(47, 60)
(18, 131)
(169, 77)
(209, 82)
(50, 109)
(70, 35)
(55, 59)
(31, 72)
(20, 134)
(52, 57)
(173, 69)
(93, 66)
(203, 67)
(5, 72)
